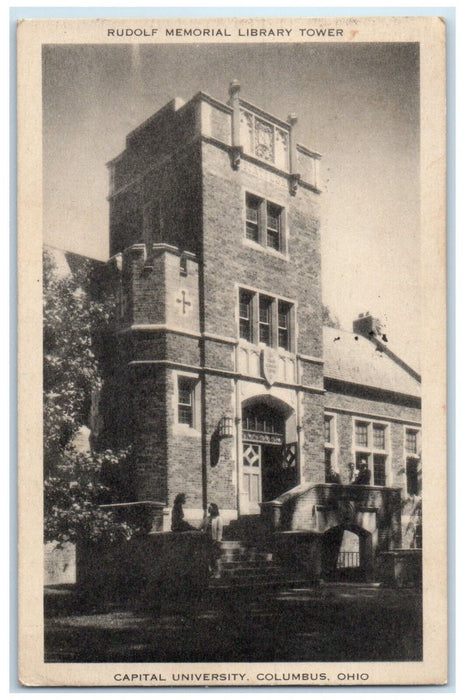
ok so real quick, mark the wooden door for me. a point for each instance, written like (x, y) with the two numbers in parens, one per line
(252, 475)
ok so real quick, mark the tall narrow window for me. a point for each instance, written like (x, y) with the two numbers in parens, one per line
(284, 337)
(265, 320)
(252, 223)
(245, 315)
(273, 226)
(411, 442)
(330, 449)
(328, 462)
(186, 401)
(378, 437)
(328, 420)
(361, 434)
(379, 470)
(413, 470)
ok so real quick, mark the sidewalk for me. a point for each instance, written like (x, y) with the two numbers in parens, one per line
(333, 622)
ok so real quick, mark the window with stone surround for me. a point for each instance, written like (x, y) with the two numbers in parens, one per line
(265, 319)
(273, 226)
(252, 217)
(371, 446)
(265, 307)
(330, 445)
(245, 315)
(284, 325)
(412, 461)
(264, 223)
(411, 441)
(187, 401)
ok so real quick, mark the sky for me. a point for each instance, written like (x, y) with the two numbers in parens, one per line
(357, 105)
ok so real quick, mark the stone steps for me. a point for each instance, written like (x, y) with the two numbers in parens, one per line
(245, 565)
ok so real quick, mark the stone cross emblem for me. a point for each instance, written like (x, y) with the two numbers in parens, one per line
(184, 301)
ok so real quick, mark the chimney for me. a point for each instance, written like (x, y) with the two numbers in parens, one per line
(367, 325)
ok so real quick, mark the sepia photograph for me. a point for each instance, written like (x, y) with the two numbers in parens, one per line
(230, 305)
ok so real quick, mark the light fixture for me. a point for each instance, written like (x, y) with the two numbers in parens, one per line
(225, 427)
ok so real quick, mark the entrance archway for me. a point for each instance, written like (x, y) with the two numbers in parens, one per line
(347, 554)
(269, 450)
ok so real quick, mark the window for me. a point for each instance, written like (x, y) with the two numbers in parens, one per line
(273, 226)
(252, 213)
(183, 265)
(412, 461)
(186, 387)
(265, 319)
(371, 449)
(330, 446)
(245, 315)
(284, 314)
(361, 434)
(264, 223)
(378, 437)
(411, 441)
(379, 470)
(329, 429)
(328, 462)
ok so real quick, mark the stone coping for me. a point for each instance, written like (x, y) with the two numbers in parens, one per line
(300, 489)
(128, 504)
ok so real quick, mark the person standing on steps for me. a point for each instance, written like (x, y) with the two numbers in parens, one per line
(213, 526)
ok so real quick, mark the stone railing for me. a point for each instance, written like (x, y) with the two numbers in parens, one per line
(319, 507)
(307, 523)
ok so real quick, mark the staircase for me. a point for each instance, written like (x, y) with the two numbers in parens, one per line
(248, 566)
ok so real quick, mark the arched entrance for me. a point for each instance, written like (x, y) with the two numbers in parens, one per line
(347, 554)
(269, 451)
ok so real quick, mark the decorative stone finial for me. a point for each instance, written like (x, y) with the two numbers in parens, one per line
(292, 118)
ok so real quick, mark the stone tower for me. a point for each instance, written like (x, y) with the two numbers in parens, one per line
(216, 376)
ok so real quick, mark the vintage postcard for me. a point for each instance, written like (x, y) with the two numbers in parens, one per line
(232, 314)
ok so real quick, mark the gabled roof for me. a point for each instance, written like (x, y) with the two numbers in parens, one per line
(356, 359)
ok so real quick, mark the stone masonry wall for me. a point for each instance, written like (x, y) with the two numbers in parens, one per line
(230, 262)
(220, 463)
(149, 430)
(183, 452)
(163, 205)
(312, 436)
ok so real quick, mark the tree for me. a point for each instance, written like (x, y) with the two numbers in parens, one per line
(76, 484)
(328, 319)
(73, 496)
